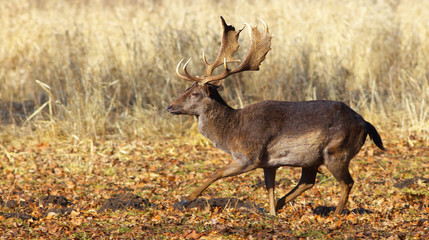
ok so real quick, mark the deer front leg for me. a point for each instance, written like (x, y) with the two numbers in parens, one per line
(227, 171)
(270, 177)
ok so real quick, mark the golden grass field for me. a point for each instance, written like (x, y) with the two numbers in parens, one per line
(84, 87)
(110, 65)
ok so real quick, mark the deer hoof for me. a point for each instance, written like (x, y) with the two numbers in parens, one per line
(182, 205)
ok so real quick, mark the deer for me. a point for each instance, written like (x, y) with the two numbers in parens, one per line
(270, 134)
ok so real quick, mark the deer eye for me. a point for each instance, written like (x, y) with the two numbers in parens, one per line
(195, 94)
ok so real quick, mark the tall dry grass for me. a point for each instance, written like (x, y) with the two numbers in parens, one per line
(107, 68)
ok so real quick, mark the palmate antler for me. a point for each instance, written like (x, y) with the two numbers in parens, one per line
(259, 47)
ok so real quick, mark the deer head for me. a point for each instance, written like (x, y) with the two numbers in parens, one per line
(198, 97)
(191, 102)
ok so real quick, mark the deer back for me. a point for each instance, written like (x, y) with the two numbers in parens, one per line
(278, 133)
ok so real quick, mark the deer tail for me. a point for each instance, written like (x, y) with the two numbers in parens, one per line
(373, 134)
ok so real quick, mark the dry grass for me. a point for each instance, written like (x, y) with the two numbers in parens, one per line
(109, 65)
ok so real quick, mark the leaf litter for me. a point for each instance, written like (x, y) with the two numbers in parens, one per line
(131, 189)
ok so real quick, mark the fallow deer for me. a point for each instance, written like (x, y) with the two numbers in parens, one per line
(271, 134)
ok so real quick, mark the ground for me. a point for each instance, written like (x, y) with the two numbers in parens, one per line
(130, 189)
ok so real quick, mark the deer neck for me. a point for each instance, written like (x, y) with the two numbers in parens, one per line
(217, 122)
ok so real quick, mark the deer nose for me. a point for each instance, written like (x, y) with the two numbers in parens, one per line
(169, 108)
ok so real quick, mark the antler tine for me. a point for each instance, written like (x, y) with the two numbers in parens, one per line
(228, 47)
(265, 26)
(205, 60)
(259, 47)
(186, 75)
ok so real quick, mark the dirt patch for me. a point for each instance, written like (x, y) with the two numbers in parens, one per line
(59, 211)
(22, 216)
(52, 201)
(55, 200)
(124, 201)
(17, 209)
(407, 183)
(326, 211)
(230, 203)
(22, 209)
(323, 210)
(15, 204)
(59, 205)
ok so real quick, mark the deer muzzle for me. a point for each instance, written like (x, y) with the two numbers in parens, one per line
(173, 110)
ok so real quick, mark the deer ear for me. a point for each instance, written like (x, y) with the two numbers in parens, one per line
(209, 89)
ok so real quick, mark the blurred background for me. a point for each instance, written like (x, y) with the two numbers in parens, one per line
(105, 69)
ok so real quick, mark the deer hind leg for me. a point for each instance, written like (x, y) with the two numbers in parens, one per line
(341, 172)
(227, 171)
(308, 178)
